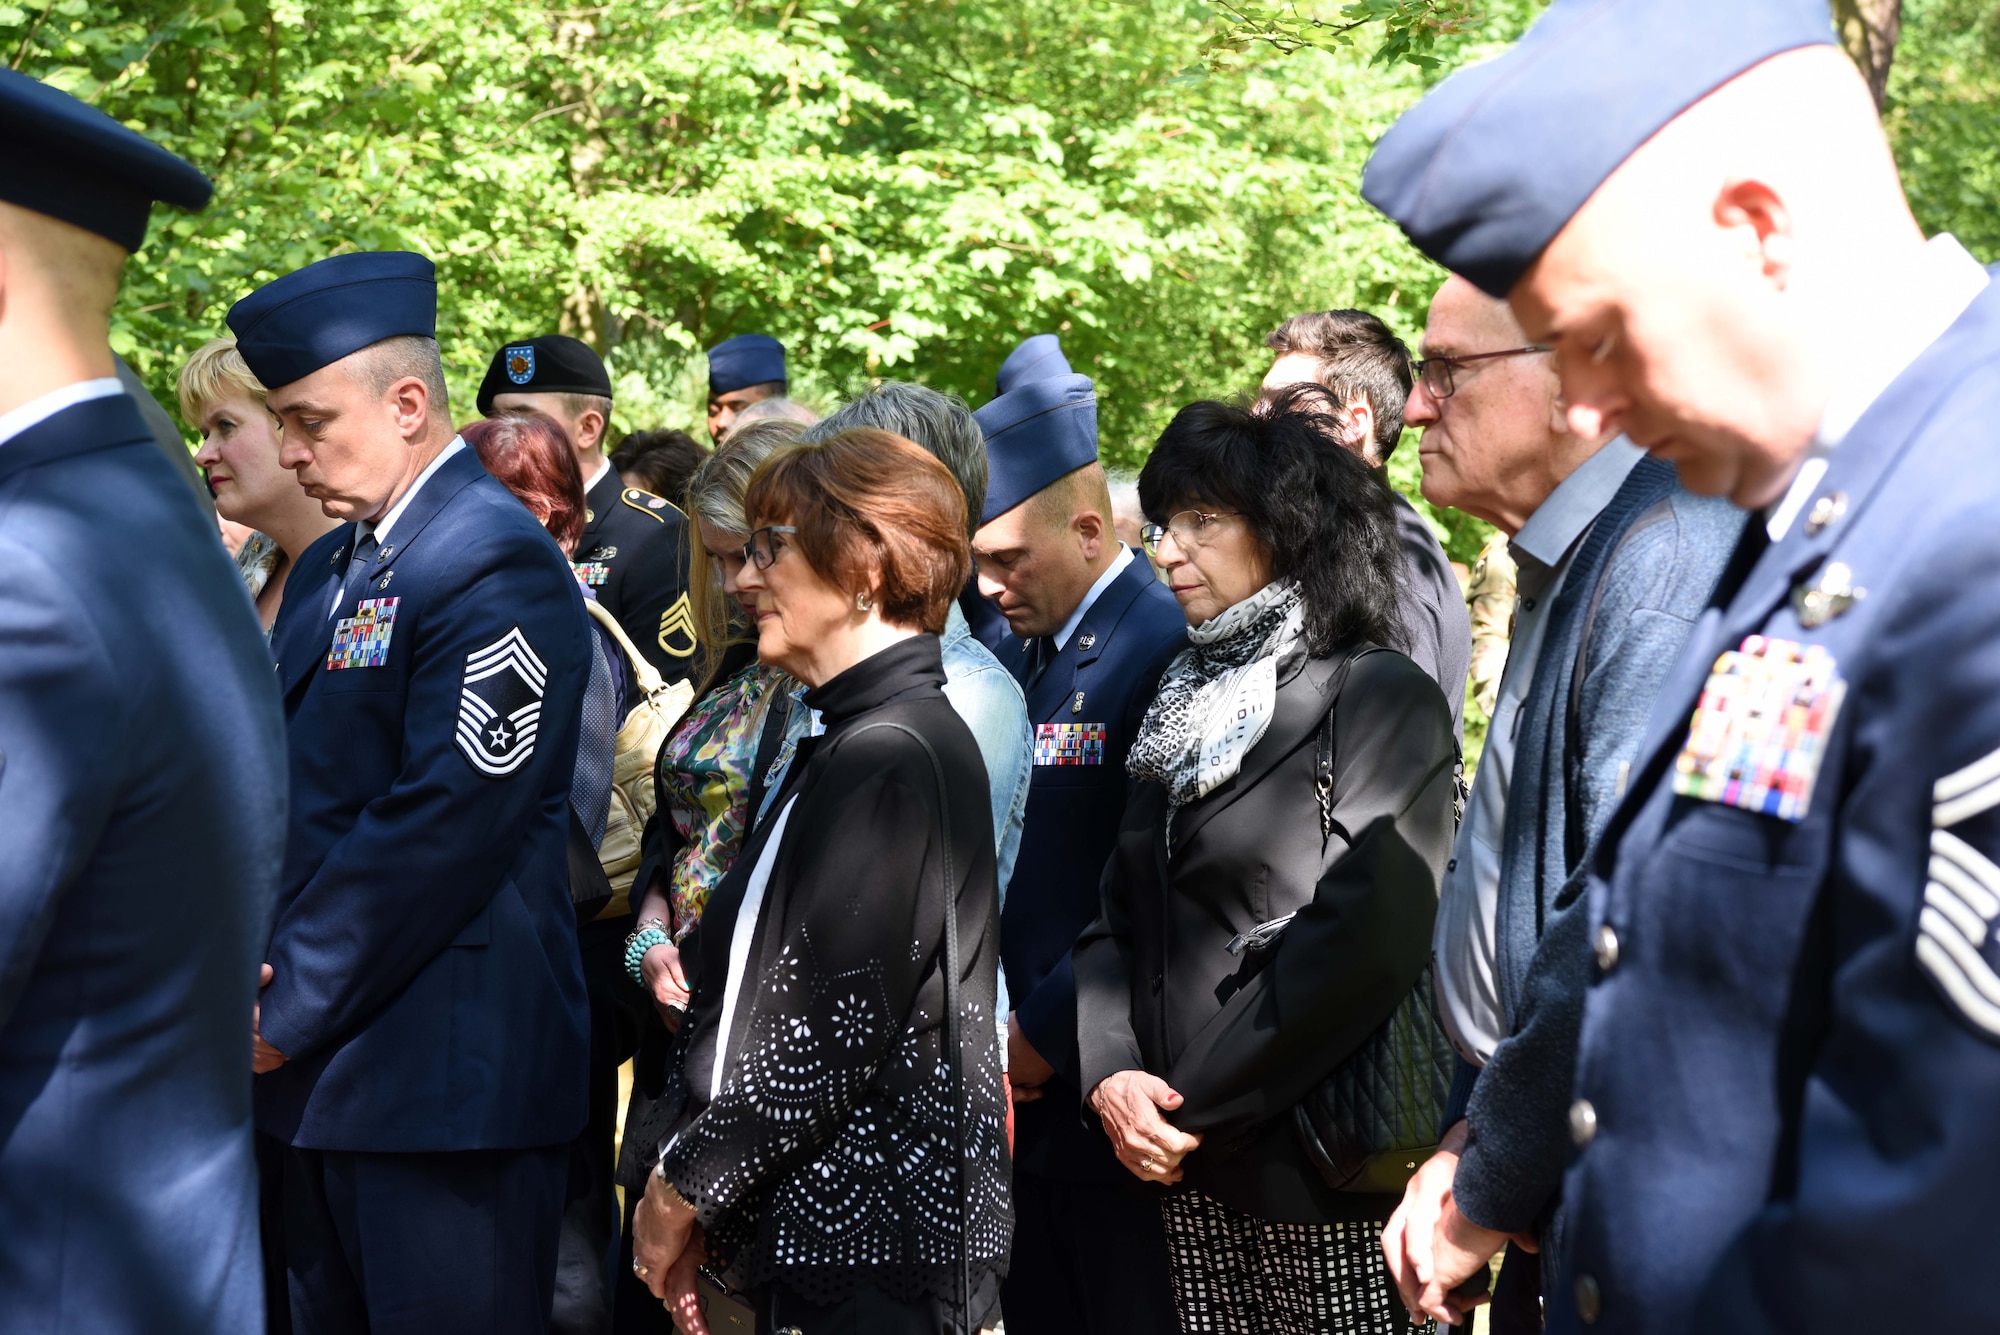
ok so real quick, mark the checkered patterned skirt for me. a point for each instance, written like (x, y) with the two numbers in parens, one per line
(1237, 1275)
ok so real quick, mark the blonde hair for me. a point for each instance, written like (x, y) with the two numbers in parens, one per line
(715, 493)
(215, 372)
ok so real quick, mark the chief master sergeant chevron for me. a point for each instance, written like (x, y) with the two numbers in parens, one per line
(1787, 1085)
(135, 705)
(421, 1041)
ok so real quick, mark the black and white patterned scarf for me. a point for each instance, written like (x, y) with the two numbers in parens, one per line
(1216, 696)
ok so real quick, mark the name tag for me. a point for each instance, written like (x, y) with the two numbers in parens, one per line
(362, 640)
(1759, 733)
(591, 574)
(1069, 744)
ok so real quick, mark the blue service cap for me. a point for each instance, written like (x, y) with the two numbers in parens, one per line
(1484, 172)
(1035, 434)
(292, 326)
(743, 361)
(1038, 358)
(70, 161)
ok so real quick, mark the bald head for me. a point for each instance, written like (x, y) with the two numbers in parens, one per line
(57, 286)
(1706, 297)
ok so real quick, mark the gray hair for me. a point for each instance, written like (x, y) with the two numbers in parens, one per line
(936, 422)
(380, 365)
(779, 409)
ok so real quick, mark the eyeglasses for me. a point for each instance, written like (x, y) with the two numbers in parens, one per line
(1435, 372)
(763, 548)
(1187, 527)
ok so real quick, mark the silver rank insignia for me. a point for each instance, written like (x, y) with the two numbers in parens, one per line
(1827, 597)
(500, 705)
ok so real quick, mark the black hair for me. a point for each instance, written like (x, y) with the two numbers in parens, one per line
(659, 461)
(1326, 519)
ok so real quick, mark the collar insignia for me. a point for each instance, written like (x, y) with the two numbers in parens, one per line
(1828, 596)
(1085, 640)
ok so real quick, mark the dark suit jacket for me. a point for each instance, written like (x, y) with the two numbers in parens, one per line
(1105, 676)
(1434, 615)
(1157, 989)
(427, 987)
(142, 810)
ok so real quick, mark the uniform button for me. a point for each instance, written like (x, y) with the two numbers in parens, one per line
(1589, 1302)
(1582, 1122)
(1607, 949)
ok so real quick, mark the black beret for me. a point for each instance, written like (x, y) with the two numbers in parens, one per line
(551, 364)
(70, 161)
(1484, 172)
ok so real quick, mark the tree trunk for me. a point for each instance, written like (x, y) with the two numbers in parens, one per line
(1868, 29)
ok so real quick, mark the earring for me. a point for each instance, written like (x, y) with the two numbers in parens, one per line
(861, 603)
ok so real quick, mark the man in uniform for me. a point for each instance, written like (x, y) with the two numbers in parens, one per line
(634, 550)
(142, 784)
(1788, 1070)
(1094, 629)
(420, 1041)
(742, 371)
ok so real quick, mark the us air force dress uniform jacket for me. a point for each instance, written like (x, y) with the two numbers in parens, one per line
(634, 556)
(426, 987)
(1085, 709)
(1789, 1076)
(142, 817)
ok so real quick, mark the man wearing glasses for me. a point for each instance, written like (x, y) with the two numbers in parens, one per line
(1366, 368)
(1615, 562)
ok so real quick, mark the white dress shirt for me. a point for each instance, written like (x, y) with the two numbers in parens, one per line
(37, 411)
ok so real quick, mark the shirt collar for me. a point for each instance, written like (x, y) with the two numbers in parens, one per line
(1118, 564)
(1575, 504)
(37, 411)
(1928, 300)
(379, 529)
(956, 627)
(603, 467)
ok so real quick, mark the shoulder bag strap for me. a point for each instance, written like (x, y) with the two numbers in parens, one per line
(1323, 763)
(955, 1064)
(644, 674)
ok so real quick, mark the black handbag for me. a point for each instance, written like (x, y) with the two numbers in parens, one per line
(1369, 1124)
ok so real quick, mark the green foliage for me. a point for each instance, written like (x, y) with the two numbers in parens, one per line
(893, 187)
(1944, 118)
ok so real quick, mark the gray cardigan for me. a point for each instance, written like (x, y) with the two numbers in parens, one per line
(1641, 578)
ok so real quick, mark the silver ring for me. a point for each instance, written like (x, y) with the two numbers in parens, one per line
(1147, 1165)
(639, 1270)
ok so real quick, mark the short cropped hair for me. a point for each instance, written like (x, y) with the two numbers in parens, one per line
(940, 424)
(1357, 355)
(380, 365)
(215, 372)
(1086, 488)
(869, 498)
(659, 461)
(530, 454)
(1318, 509)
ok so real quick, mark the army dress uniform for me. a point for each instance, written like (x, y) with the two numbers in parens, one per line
(634, 556)
(426, 991)
(1089, 1249)
(1788, 1070)
(142, 810)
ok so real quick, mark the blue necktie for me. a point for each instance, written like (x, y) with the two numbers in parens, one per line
(358, 571)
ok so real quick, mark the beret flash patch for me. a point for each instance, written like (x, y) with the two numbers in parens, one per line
(520, 363)
(500, 705)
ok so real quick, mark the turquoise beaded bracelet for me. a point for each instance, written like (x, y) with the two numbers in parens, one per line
(636, 946)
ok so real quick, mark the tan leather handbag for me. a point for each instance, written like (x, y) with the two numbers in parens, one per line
(637, 746)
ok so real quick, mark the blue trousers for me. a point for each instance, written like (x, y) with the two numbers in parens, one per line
(418, 1243)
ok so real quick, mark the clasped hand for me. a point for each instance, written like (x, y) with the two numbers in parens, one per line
(667, 1252)
(1431, 1248)
(263, 1057)
(1146, 1143)
(666, 984)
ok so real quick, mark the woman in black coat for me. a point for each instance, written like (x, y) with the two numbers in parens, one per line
(843, 1156)
(1280, 547)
